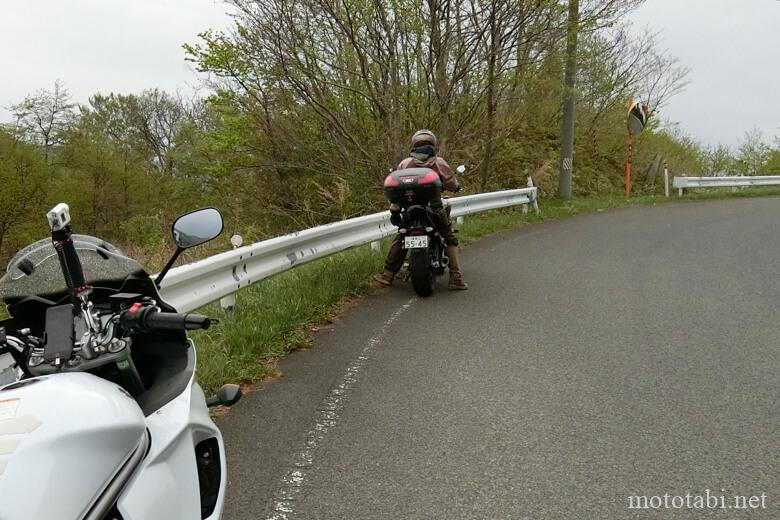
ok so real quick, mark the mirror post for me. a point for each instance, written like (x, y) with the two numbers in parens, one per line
(167, 267)
(636, 121)
(628, 164)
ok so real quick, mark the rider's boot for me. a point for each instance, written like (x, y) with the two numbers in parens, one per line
(456, 276)
(385, 277)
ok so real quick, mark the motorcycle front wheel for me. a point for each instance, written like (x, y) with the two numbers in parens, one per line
(421, 272)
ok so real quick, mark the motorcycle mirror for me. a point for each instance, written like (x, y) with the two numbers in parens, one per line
(190, 230)
(461, 169)
(228, 395)
(196, 227)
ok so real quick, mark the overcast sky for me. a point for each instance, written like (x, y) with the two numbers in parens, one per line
(732, 47)
(733, 50)
(122, 46)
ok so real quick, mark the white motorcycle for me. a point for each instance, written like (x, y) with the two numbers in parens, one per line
(100, 415)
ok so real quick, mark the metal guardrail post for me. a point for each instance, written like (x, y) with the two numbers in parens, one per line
(524, 207)
(228, 303)
(666, 179)
(375, 245)
(530, 184)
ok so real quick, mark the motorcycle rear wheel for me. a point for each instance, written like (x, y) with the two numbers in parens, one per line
(421, 272)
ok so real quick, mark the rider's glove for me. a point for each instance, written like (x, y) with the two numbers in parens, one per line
(395, 218)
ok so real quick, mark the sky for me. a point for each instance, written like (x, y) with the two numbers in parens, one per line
(121, 46)
(733, 50)
(125, 46)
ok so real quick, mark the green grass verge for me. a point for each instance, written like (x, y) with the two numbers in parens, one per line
(277, 315)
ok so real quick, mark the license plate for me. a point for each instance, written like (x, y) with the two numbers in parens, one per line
(415, 242)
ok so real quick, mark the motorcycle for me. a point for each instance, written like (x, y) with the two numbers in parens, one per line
(100, 414)
(412, 190)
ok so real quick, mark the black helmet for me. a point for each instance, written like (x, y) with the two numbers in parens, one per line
(423, 137)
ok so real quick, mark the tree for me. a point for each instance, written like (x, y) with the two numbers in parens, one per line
(773, 160)
(44, 117)
(146, 123)
(23, 175)
(752, 153)
(719, 161)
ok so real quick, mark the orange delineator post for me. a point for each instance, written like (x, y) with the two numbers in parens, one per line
(628, 164)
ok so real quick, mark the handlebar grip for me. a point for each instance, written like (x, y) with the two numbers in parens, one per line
(149, 319)
(174, 321)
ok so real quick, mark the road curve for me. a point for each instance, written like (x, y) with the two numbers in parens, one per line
(632, 352)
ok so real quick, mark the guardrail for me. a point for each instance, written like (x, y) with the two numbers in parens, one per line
(714, 182)
(192, 285)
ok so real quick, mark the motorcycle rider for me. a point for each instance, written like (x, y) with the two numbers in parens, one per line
(424, 155)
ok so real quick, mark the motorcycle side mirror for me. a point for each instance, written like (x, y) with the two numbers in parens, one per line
(228, 395)
(190, 230)
(461, 169)
(197, 227)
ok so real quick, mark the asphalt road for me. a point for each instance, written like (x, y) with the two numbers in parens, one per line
(626, 353)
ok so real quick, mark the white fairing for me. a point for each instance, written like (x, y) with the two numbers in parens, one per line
(62, 439)
(165, 486)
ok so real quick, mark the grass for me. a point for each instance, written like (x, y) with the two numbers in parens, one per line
(280, 314)
(277, 315)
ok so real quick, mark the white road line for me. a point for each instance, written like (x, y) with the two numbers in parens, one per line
(326, 417)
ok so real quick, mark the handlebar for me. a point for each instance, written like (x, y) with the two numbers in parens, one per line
(33, 354)
(149, 319)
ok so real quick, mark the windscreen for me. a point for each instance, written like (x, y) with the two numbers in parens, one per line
(35, 270)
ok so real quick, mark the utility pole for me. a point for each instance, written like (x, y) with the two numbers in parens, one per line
(567, 130)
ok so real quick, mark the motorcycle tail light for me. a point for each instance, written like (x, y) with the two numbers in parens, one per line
(416, 232)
